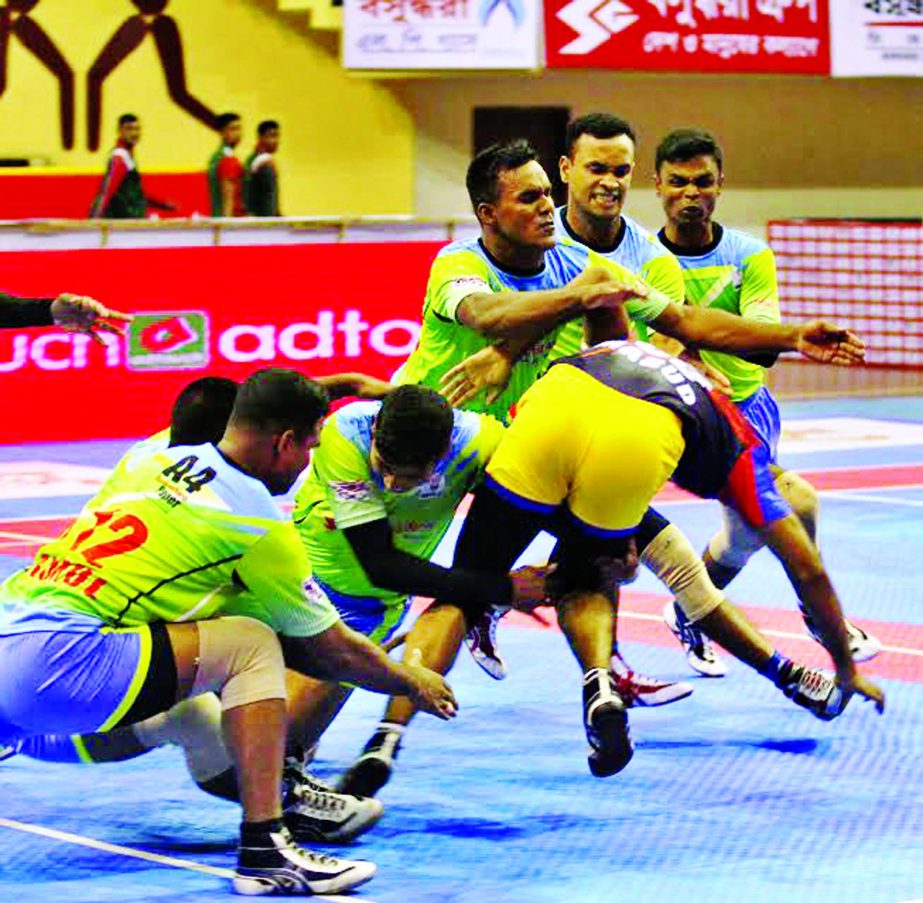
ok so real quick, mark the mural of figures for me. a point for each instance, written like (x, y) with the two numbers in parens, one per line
(15, 21)
(124, 41)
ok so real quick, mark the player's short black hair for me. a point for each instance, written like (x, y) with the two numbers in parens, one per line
(484, 170)
(413, 427)
(681, 145)
(127, 119)
(267, 125)
(599, 125)
(201, 410)
(225, 119)
(275, 400)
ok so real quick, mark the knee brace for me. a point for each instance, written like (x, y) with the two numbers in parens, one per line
(194, 725)
(736, 542)
(672, 559)
(802, 496)
(240, 659)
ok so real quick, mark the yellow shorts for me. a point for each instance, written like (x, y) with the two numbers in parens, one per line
(577, 441)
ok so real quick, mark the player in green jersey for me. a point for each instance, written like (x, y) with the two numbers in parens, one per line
(728, 270)
(176, 582)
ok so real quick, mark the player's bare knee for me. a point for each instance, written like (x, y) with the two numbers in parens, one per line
(735, 543)
(671, 558)
(241, 660)
(802, 496)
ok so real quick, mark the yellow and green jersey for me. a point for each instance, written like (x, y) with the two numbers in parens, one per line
(464, 268)
(343, 491)
(639, 252)
(736, 273)
(175, 534)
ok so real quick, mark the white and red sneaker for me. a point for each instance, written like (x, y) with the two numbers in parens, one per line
(643, 691)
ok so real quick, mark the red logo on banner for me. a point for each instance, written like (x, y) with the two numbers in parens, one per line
(689, 35)
(166, 335)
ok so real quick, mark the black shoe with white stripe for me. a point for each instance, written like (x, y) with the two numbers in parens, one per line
(372, 770)
(269, 863)
(606, 724)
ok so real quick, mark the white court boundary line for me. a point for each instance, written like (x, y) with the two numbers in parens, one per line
(784, 634)
(117, 849)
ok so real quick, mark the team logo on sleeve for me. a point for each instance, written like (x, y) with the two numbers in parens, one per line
(176, 340)
(353, 491)
(313, 592)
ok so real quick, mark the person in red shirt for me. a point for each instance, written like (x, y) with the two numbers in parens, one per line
(226, 172)
(121, 196)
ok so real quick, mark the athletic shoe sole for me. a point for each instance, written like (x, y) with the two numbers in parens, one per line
(615, 746)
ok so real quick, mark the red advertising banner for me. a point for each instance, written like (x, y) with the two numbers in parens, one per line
(200, 311)
(785, 36)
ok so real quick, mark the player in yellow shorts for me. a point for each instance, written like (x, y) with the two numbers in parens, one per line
(570, 435)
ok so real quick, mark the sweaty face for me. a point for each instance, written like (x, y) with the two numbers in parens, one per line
(524, 211)
(598, 175)
(689, 189)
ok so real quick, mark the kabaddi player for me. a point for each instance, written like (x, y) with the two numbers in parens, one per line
(725, 269)
(475, 306)
(175, 581)
(592, 443)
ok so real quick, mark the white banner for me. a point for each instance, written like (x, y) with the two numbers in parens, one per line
(442, 34)
(876, 37)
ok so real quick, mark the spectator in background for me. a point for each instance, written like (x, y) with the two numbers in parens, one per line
(121, 195)
(261, 180)
(225, 172)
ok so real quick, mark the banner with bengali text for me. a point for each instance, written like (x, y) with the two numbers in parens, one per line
(442, 34)
(200, 311)
(781, 36)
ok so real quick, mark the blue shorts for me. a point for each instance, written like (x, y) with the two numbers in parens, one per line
(762, 413)
(751, 489)
(375, 618)
(70, 682)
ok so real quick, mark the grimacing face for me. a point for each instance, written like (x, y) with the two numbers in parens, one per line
(524, 211)
(598, 175)
(689, 189)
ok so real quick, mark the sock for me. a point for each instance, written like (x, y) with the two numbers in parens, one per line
(257, 830)
(777, 666)
(386, 740)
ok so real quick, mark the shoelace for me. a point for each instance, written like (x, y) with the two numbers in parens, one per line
(313, 796)
(814, 684)
(312, 856)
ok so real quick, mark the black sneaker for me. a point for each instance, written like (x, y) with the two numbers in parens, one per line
(372, 770)
(316, 813)
(606, 722)
(812, 689)
(275, 865)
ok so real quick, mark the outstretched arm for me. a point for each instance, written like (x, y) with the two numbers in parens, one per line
(723, 331)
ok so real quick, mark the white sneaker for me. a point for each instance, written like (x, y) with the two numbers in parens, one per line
(813, 689)
(641, 690)
(316, 813)
(862, 645)
(277, 865)
(482, 644)
(700, 653)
